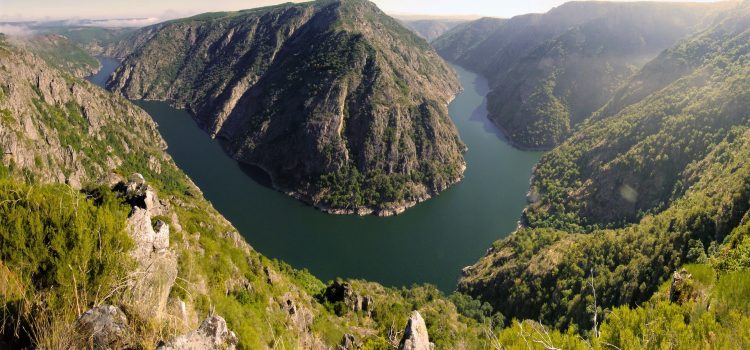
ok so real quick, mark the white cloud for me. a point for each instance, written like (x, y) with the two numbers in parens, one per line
(16, 30)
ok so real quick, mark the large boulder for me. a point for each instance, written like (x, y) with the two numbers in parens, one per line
(212, 334)
(415, 335)
(104, 327)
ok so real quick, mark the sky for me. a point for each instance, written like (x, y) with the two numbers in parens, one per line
(154, 10)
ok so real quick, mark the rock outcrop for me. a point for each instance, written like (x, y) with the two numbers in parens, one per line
(348, 342)
(156, 273)
(415, 334)
(344, 292)
(324, 96)
(682, 290)
(104, 327)
(213, 334)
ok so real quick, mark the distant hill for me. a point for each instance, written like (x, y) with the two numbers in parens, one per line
(657, 180)
(548, 72)
(432, 27)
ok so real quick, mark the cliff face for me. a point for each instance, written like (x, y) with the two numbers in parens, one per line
(549, 72)
(56, 127)
(339, 103)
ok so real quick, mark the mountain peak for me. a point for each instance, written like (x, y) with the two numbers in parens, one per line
(321, 97)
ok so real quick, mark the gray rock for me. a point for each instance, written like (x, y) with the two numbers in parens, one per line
(136, 179)
(348, 342)
(213, 333)
(415, 335)
(156, 273)
(104, 327)
(161, 236)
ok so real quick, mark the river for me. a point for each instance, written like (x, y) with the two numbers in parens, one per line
(429, 243)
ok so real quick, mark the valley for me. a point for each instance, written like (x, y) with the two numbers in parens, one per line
(429, 243)
(317, 176)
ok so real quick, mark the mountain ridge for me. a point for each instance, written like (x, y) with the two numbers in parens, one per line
(375, 100)
(549, 72)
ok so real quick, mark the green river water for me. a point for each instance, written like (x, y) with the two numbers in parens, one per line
(429, 243)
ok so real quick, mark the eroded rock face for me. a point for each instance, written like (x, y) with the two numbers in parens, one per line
(104, 327)
(415, 335)
(156, 273)
(213, 333)
(35, 99)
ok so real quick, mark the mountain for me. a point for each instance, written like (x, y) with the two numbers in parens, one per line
(549, 72)
(340, 104)
(658, 180)
(61, 52)
(91, 39)
(105, 243)
(432, 28)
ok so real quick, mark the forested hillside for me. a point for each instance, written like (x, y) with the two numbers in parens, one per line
(549, 72)
(638, 192)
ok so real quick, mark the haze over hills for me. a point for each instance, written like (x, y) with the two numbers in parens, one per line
(636, 236)
(339, 103)
(549, 72)
(432, 27)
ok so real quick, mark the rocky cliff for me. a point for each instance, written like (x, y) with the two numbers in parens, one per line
(339, 103)
(58, 128)
(549, 72)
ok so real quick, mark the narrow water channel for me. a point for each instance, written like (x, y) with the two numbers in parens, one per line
(429, 243)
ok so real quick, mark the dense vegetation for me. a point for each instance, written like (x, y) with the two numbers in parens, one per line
(51, 265)
(309, 92)
(549, 72)
(632, 196)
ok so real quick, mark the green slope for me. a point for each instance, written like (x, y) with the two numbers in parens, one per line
(668, 175)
